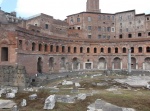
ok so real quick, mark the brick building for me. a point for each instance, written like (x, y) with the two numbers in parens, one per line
(84, 41)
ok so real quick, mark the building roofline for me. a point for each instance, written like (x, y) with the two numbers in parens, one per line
(140, 14)
(125, 11)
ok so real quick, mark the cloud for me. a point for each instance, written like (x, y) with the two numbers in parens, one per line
(59, 9)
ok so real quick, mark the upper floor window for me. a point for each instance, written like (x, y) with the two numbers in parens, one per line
(139, 34)
(89, 19)
(89, 27)
(46, 26)
(147, 18)
(112, 29)
(89, 36)
(78, 19)
(99, 28)
(108, 29)
(108, 17)
(129, 35)
(99, 36)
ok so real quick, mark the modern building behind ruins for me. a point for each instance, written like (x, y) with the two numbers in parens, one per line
(84, 41)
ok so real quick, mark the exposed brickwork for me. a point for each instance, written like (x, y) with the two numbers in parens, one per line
(84, 41)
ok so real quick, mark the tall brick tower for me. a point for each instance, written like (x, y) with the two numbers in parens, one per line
(92, 6)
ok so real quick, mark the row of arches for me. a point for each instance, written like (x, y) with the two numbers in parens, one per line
(101, 64)
(70, 49)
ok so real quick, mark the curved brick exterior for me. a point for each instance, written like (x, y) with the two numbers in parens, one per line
(84, 41)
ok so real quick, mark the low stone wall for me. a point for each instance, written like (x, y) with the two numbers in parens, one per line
(13, 76)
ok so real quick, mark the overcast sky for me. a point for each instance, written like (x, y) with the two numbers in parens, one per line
(59, 9)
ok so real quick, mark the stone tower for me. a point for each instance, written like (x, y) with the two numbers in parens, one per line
(92, 6)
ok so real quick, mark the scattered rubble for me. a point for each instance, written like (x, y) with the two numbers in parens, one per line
(33, 96)
(65, 98)
(6, 104)
(50, 102)
(101, 105)
(24, 103)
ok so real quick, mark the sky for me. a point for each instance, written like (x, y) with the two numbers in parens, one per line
(59, 9)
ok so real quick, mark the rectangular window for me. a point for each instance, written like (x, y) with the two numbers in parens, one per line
(46, 26)
(89, 19)
(4, 54)
(89, 36)
(89, 27)
(108, 29)
(20, 44)
(112, 29)
(108, 17)
(78, 19)
(99, 28)
(99, 36)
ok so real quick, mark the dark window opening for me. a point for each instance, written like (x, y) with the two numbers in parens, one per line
(46, 26)
(139, 34)
(51, 48)
(81, 49)
(102, 50)
(148, 33)
(99, 36)
(124, 50)
(45, 47)
(63, 48)
(75, 50)
(78, 28)
(89, 27)
(57, 48)
(147, 18)
(39, 65)
(116, 50)
(95, 50)
(132, 49)
(88, 50)
(129, 35)
(4, 54)
(40, 47)
(109, 50)
(148, 49)
(89, 36)
(33, 46)
(68, 49)
(20, 44)
(140, 49)
(120, 36)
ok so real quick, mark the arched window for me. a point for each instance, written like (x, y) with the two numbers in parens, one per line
(102, 50)
(75, 50)
(57, 48)
(140, 49)
(88, 50)
(95, 50)
(81, 49)
(51, 48)
(109, 50)
(148, 49)
(116, 50)
(124, 50)
(33, 46)
(40, 47)
(63, 49)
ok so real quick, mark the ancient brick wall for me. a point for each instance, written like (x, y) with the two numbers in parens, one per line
(13, 76)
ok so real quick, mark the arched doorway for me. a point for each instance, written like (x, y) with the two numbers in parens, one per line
(51, 63)
(147, 63)
(75, 64)
(101, 63)
(117, 63)
(133, 63)
(63, 63)
(39, 65)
